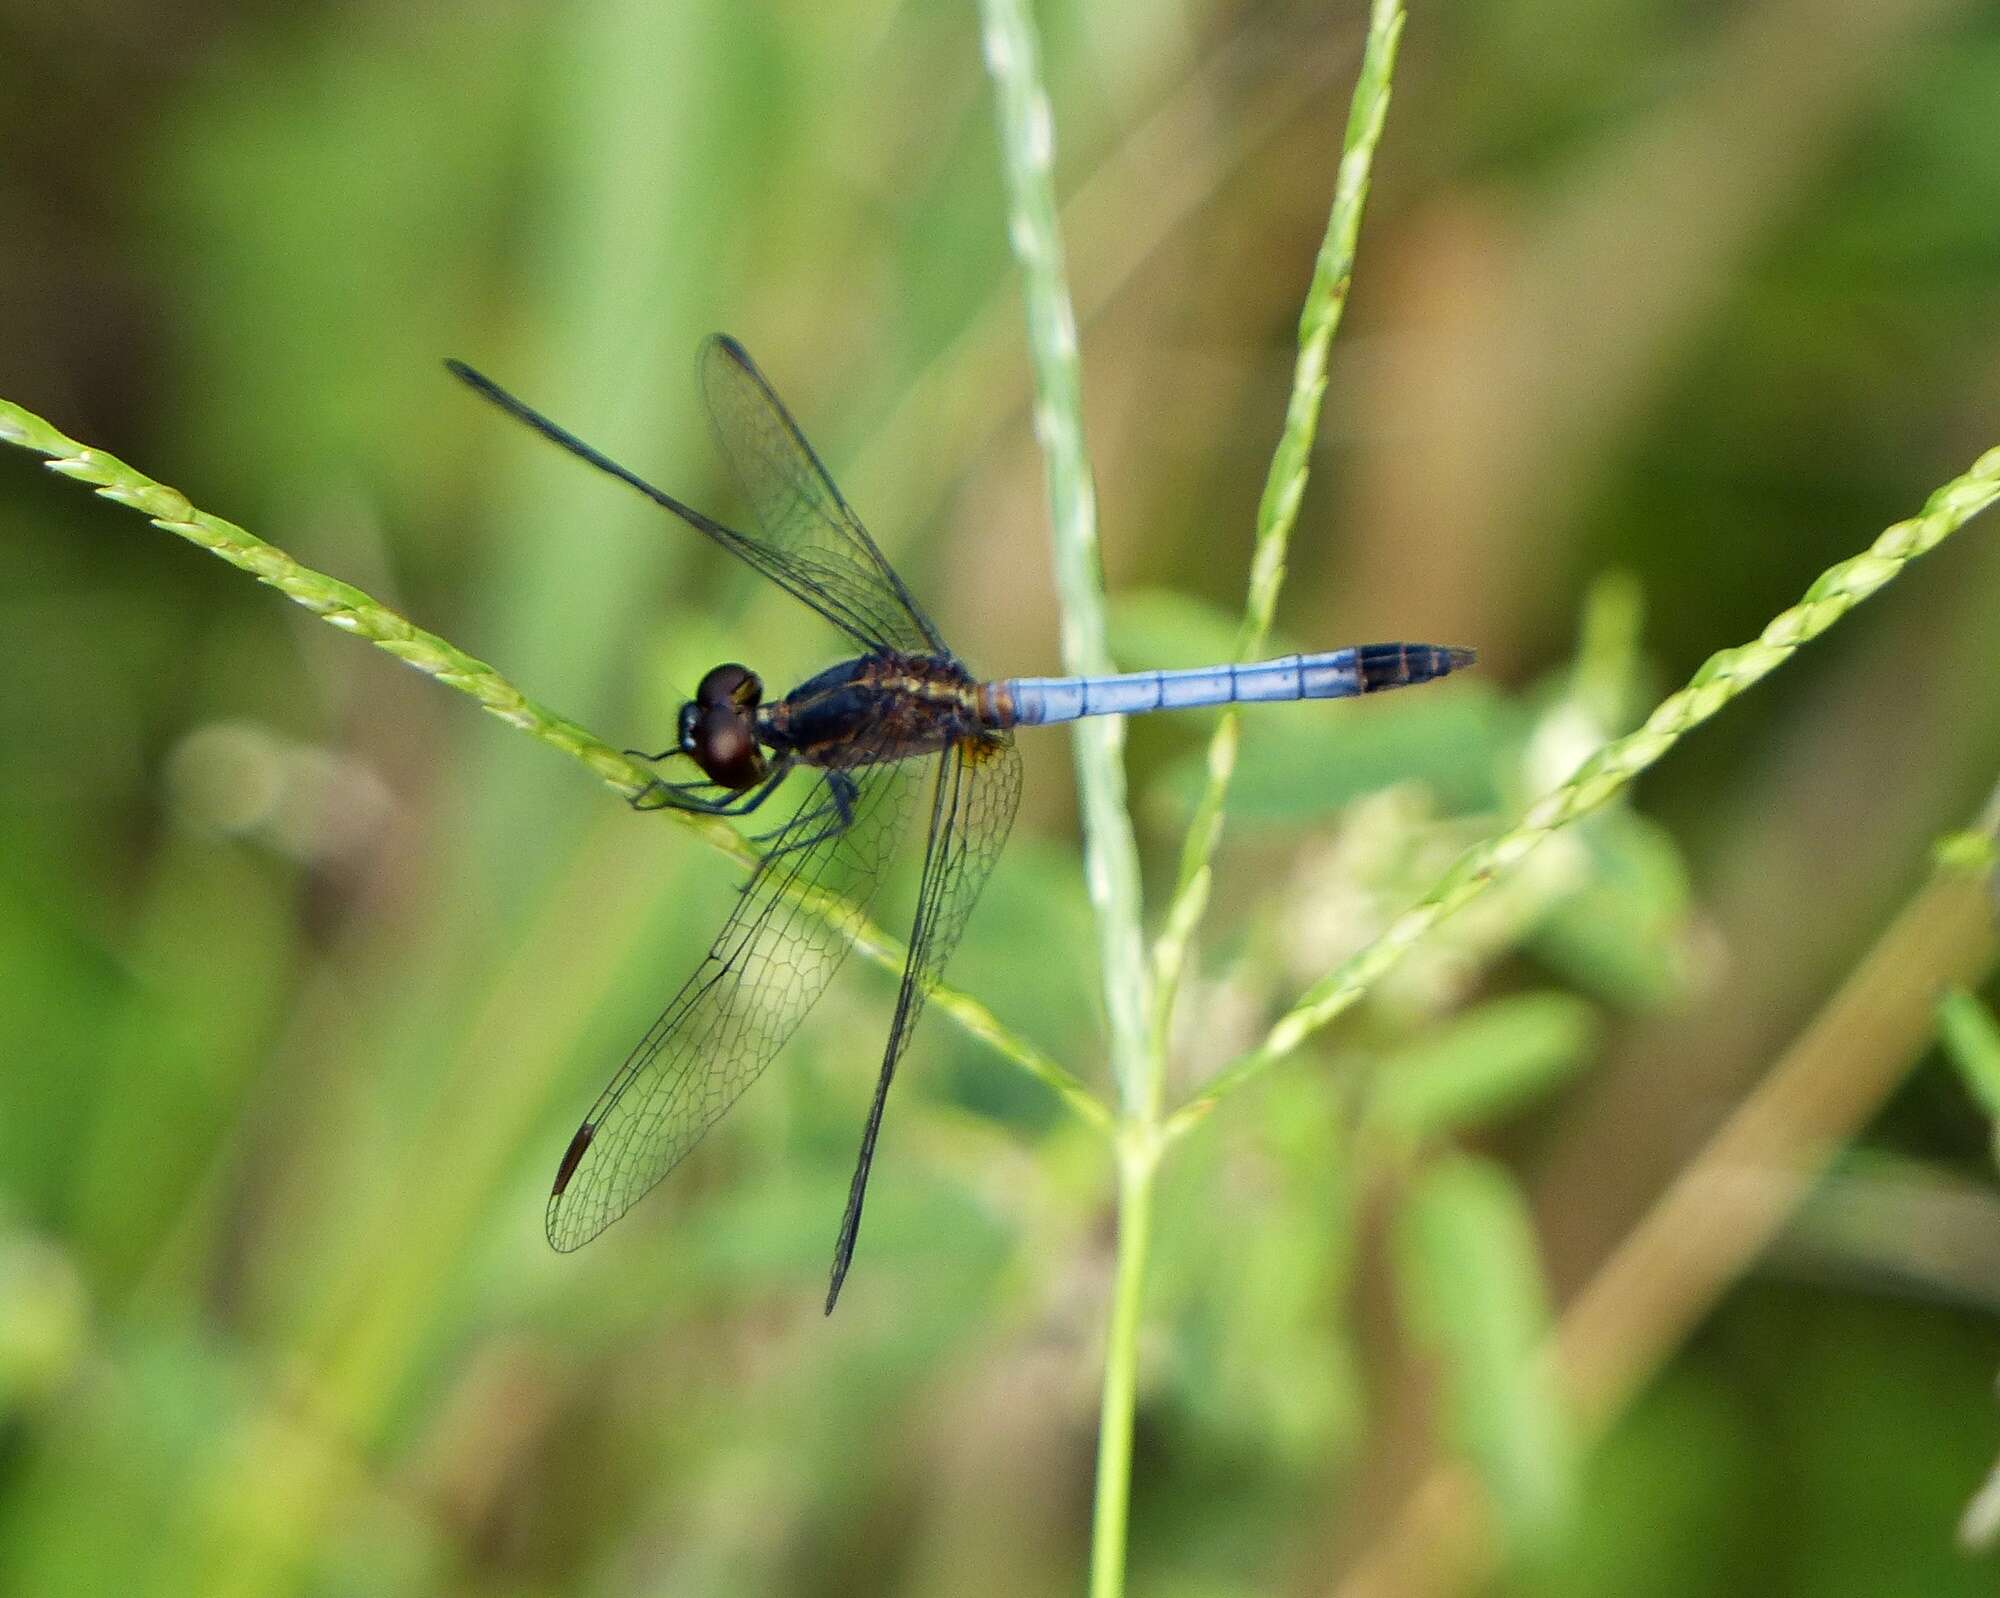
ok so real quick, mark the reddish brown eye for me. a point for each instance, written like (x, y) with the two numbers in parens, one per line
(730, 685)
(725, 748)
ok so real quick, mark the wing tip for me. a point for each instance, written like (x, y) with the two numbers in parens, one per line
(564, 1237)
(567, 1229)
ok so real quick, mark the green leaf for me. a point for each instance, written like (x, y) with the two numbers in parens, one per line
(1481, 1066)
(1971, 1040)
(1472, 1291)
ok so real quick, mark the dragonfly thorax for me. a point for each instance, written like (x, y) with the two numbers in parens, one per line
(718, 729)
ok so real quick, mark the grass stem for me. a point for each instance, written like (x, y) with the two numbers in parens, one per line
(1138, 1160)
(1720, 679)
(1284, 489)
(1110, 853)
(352, 611)
(1717, 1218)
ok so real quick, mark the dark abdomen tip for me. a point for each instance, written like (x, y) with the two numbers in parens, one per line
(1398, 665)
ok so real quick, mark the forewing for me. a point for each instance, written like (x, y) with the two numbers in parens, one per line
(812, 544)
(770, 963)
(814, 547)
(977, 791)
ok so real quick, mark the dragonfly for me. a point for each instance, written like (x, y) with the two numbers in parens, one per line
(898, 739)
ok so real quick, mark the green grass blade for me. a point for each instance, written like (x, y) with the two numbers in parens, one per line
(335, 603)
(1971, 1038)
(1721, 678)
(1111, 856)
(1284, 488)
(352, 611)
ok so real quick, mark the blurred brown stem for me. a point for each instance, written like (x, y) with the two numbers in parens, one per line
(1707, 1229)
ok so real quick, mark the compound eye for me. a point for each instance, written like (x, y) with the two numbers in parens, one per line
(725, 748)
(732, 685)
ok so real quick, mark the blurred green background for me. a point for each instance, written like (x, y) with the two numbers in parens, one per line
(308, 969)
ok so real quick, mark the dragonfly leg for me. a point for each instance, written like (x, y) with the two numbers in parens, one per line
(837, 811)
(658, 795)
(689, 795)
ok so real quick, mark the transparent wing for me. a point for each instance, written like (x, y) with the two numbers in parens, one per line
(764, 971)
(813, 544)
(813, 547)
(972, 810)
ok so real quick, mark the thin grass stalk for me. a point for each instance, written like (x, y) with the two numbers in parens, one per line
(334, 602)
(352, 611)
(1111, 1514)
(1720, 679)
(1111, 855)
(1284, 488)
(1718, 1216)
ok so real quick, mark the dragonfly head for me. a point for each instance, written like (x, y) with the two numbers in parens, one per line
(718, 728)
